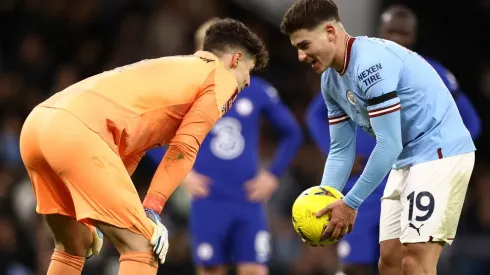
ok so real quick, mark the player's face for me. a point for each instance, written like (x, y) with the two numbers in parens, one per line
(241, 67)
(315, 47)
(398, 30)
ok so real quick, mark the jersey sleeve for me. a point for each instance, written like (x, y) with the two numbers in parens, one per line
(317, 123)
(341, 156)
(378, 80)
(450, 81)
(470, 116)
(182, 150)
(335, 112)
(285, 124)
(388, 146)
(342, 145)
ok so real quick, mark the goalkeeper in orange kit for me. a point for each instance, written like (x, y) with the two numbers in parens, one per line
(81, 146)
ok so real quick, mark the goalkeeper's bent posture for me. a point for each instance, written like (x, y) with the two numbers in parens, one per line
(227, 179)
(81, 146)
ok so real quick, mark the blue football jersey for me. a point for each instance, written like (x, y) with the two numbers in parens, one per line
(383, 77)
(229, 155)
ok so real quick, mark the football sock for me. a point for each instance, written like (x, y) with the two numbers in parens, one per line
(141, 263)
(63, 263)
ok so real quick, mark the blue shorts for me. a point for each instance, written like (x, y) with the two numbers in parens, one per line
(226, 233)
(361, 246)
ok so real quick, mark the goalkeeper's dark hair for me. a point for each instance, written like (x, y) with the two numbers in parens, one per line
(228, 34)
(308, 14)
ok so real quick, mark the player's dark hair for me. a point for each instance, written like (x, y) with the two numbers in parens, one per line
(308, 14)
(228, 34)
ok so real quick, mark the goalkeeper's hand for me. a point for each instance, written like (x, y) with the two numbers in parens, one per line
(159, 239)
(97, 243)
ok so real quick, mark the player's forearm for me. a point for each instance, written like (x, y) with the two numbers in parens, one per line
(388, 147)
(470, 117)
(342, 153)
(286, 151)
(176, 164)
(317, 122)
(291, 140)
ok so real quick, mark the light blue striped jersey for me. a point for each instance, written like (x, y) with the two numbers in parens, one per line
(381, 77)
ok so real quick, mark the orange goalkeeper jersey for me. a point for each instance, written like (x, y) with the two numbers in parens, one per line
(171, 100)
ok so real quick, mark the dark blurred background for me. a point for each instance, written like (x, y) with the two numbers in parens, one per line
(46, 45)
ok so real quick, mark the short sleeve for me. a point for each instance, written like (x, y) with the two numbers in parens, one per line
(378, 77)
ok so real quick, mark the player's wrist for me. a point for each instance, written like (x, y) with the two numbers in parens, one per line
(154, 203)
(351, 202)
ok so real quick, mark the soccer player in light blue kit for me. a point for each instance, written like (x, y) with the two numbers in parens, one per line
(359, 250)
(227, 219)
(399, 99)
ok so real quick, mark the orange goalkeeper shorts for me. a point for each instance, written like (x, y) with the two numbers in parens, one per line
(75, 173)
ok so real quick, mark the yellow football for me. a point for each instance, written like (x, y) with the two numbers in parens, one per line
(310, 201)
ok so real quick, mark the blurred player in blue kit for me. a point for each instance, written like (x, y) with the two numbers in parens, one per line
(394, 95)
(227, 218)
(398, 23)
(359, 250)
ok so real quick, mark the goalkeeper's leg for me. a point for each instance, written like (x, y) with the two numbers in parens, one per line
(136, 252)
(76, 173)
(72, 241)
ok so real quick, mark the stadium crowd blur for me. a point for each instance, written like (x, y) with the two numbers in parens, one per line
(46, 45)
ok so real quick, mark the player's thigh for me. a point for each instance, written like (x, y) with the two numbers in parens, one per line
(100, 186)
(390, 254)
(123, 239)
(251, 237)
(210, 243)
(52, 195)
(105, 192)
(433, 199)
(70, 235)
(390, 223)
(391, 206)
(423, 255)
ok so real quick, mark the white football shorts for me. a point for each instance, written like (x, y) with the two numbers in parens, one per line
(423, 203)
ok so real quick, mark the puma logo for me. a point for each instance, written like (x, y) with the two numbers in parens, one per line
(414, 227)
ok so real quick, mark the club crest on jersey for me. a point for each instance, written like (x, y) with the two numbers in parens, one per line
(244, 106)
(350, 97)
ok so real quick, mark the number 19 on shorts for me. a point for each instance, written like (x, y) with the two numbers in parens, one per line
(424, 203)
